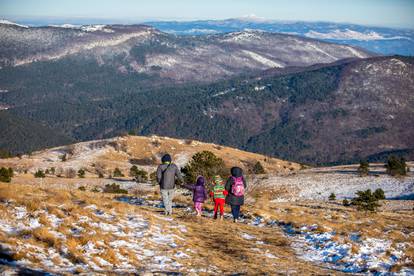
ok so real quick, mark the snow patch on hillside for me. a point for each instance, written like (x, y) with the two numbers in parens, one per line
(263, 60)
(7, 22)
(351, 35)
(355, 52)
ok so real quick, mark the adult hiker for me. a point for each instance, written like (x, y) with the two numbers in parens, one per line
(235, 186)
(167, 173)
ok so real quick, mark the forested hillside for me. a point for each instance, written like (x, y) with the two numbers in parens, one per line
(313, 115)
(19, 135)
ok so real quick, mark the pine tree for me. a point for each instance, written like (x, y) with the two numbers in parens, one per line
(81, 173)
(138, 175)
(366, 201)
(363, 168)
(39, 174)
(396, 166)
(6, 174)
(118, 173)
(345, 202)
(204, 163)
(332, 196)
(258, 168)
(379, 194)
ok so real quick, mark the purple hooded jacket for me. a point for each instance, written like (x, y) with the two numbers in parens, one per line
(198, 189)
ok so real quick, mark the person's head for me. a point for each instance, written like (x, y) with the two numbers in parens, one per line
(200, 181)
(217, 180)
(236, 172)
(166, 158)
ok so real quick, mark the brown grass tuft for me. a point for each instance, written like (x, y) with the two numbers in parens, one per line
(42, 234)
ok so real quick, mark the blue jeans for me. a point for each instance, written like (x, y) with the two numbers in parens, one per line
(235, 211)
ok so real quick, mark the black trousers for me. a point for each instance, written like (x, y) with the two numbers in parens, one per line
(235, 211)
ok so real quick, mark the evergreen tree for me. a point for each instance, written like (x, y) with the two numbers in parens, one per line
(6, 174)
(138, 175)
(118, 173)
(153, 178)
(396, 166)
(258, 168)
(345, 202)
(39, 174)
(363, 168)
(114, 189)
(332, 196)
(379, 194)
(81, 173)
(366, 201)
(204, 163)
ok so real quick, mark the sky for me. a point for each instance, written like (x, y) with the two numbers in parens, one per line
(391, 13)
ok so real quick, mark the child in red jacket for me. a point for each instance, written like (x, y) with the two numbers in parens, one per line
(219, 195)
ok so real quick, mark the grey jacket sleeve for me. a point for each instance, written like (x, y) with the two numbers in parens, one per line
(159, 174)
(178, 174)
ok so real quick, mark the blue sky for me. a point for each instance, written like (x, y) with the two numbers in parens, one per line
(393, 13)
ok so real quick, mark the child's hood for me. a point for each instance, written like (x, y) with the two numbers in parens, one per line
(236, 172)
(200, 181)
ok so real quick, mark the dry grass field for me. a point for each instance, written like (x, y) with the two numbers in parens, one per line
(50, 225)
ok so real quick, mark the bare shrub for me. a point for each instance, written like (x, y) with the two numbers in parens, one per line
(188, 142)
(70, 173)
(156, 143)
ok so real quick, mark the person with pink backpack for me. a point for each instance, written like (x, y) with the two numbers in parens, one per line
(235, 186)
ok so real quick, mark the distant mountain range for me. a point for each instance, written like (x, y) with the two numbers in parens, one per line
(279, 94)
(145, 50)
(381, 40)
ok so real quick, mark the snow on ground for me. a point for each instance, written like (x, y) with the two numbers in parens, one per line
(310, 244)
(263, 60)
(318, 184)
(373, 255)
(151, 242)
(7, 22)
(351, 35)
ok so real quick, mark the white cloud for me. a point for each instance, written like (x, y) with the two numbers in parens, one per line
(350, 35)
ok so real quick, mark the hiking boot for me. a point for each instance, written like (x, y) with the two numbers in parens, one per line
(215, 216)
(221, 218)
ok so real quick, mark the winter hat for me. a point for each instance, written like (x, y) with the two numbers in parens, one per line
(217, 179)
(200, 181)
(236, 172)
(166, 158)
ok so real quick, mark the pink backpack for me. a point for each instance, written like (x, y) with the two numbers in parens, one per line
(238, 186)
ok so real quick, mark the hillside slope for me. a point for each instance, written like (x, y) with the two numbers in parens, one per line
(145, 152)
(139, 49)
(19, 135)
(305, 115)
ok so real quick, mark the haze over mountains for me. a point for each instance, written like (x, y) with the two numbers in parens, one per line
(382, 40)
(279, 94)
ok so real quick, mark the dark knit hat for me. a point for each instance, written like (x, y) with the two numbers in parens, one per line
(166, 158)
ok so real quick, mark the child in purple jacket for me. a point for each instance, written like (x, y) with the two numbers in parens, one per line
(199, 194)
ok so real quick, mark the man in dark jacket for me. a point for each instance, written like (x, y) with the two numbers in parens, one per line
(233, 200)
(167, 172)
